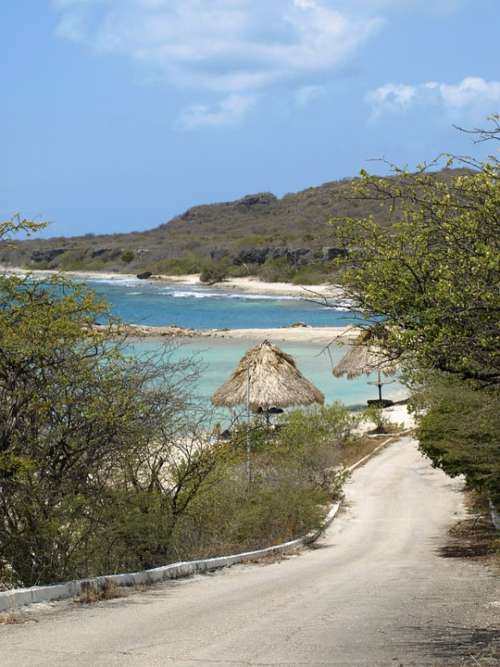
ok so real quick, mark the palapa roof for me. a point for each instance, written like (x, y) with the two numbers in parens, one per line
(274, 382)
(362, 358)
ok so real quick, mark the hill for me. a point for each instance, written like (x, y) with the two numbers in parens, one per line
(279, 239)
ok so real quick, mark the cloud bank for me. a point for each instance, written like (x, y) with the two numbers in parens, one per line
(472, 95)
(229, 51)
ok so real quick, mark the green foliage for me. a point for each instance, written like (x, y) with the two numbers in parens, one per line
(254, 241)
(97, 456)
(128, 256)
(185, 265)
(434, 274)
(458, 429)
(312, 274)
(276, 270)
(382, 424)
(215, 272)
(105, 463)
(316, 441)
(17, 224)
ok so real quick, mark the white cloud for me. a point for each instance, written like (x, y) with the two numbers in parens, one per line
(391, 96)
(305, 95)
(229, 47)
(472, 95)
(469, 92)
(229, 111)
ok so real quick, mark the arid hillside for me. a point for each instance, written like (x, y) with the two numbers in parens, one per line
(258, 234)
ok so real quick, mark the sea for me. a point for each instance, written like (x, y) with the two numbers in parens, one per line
(203, 308)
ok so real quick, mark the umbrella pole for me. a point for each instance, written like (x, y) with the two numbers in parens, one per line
(379, 385)
(249, 470)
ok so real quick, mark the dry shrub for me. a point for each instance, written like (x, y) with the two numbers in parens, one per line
(91, 592)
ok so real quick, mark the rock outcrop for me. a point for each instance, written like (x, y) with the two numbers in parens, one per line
(46, 256)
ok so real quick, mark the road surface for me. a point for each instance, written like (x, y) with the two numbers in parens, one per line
(375, 591)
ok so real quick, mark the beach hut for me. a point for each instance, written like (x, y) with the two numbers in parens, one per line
(363, 358)
(267, 379)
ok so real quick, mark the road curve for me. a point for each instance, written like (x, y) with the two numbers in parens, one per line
(374, 592)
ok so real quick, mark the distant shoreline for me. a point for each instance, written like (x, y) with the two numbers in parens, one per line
(246, 285)
(295, 334)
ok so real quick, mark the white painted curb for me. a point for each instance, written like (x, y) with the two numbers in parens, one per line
(13, 599)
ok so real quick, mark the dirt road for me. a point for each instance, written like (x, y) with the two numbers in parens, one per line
(375, 591)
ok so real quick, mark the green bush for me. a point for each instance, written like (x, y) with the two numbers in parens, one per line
(311, 274)
(187, 264)
(214, 272)
(276, 270)
(254, 241)
(458, 426)
(127, 256)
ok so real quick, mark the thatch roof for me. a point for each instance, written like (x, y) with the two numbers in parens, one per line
(272, 380)
(363, 358)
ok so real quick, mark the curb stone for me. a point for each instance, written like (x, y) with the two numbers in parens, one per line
(16, 598)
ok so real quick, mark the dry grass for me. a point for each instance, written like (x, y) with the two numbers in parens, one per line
(364, 446)
(90, 592)
(272, 558)
(15, 618)
(475, 536)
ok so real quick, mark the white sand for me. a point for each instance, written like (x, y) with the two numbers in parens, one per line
(315, 335)
(398, 414)
(82, 275)
(253, 285)
(323, 335)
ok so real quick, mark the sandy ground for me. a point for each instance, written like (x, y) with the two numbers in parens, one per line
(375, 591)
(249, 285)
(322, 335)
(316, 335)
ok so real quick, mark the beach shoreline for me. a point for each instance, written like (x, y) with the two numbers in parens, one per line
(295, 334)
(245, 285)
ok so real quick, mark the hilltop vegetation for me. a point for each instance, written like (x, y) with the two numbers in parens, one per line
(278, 239)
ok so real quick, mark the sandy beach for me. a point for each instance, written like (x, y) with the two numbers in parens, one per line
(302, 334)
(245, 285)
(253, 285)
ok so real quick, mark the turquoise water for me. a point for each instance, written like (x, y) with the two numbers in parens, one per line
(219, 358)
(206, 308)
(138, 302)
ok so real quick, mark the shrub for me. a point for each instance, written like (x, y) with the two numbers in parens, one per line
(376, 416)
(276, 270)
(214, 273)
(127, 256)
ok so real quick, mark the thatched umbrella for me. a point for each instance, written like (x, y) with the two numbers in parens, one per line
(363, 358)
(267, 378)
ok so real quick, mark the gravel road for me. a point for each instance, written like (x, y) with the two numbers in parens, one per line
(374, 591)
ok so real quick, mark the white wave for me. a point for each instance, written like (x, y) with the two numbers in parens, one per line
(185, 294)
(179, 294)
(117, 282)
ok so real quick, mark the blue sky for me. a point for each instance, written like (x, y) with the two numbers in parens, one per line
(119, 114)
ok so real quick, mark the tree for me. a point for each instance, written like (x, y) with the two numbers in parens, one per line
(128, 256)
(428, 285)
(100, 453)
(434, 273)
(458, 430)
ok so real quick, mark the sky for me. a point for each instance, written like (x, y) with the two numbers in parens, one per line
(117, 115)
